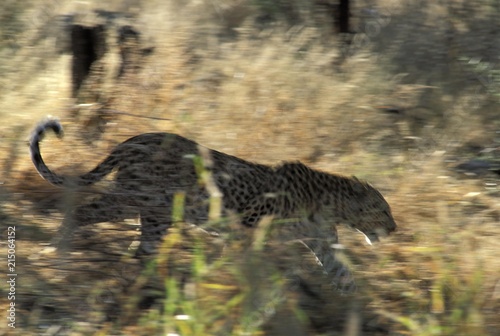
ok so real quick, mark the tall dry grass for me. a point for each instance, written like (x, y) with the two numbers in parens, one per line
(279, 90)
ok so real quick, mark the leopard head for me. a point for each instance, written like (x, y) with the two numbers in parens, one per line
(365, 210)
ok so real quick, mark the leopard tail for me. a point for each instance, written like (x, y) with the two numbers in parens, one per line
(97, 174)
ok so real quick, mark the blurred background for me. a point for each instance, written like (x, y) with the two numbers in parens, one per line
(404, 94)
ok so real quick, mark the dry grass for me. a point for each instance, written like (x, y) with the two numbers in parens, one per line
(265, 94)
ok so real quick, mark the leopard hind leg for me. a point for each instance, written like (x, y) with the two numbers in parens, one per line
(155, 222)
(110, 207)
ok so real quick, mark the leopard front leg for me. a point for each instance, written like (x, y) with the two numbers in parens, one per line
(321, 239)
(155, 223)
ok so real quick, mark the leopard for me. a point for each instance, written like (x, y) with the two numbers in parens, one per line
(150, 169)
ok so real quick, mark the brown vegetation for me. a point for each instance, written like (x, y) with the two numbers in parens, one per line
(400, 103)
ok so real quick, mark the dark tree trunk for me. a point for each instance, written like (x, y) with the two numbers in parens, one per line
(87, 46)
(343, 16)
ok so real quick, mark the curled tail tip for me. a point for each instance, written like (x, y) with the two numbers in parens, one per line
(52, 123)
(49, 122)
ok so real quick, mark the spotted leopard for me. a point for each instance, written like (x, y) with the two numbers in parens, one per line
(152, 168)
